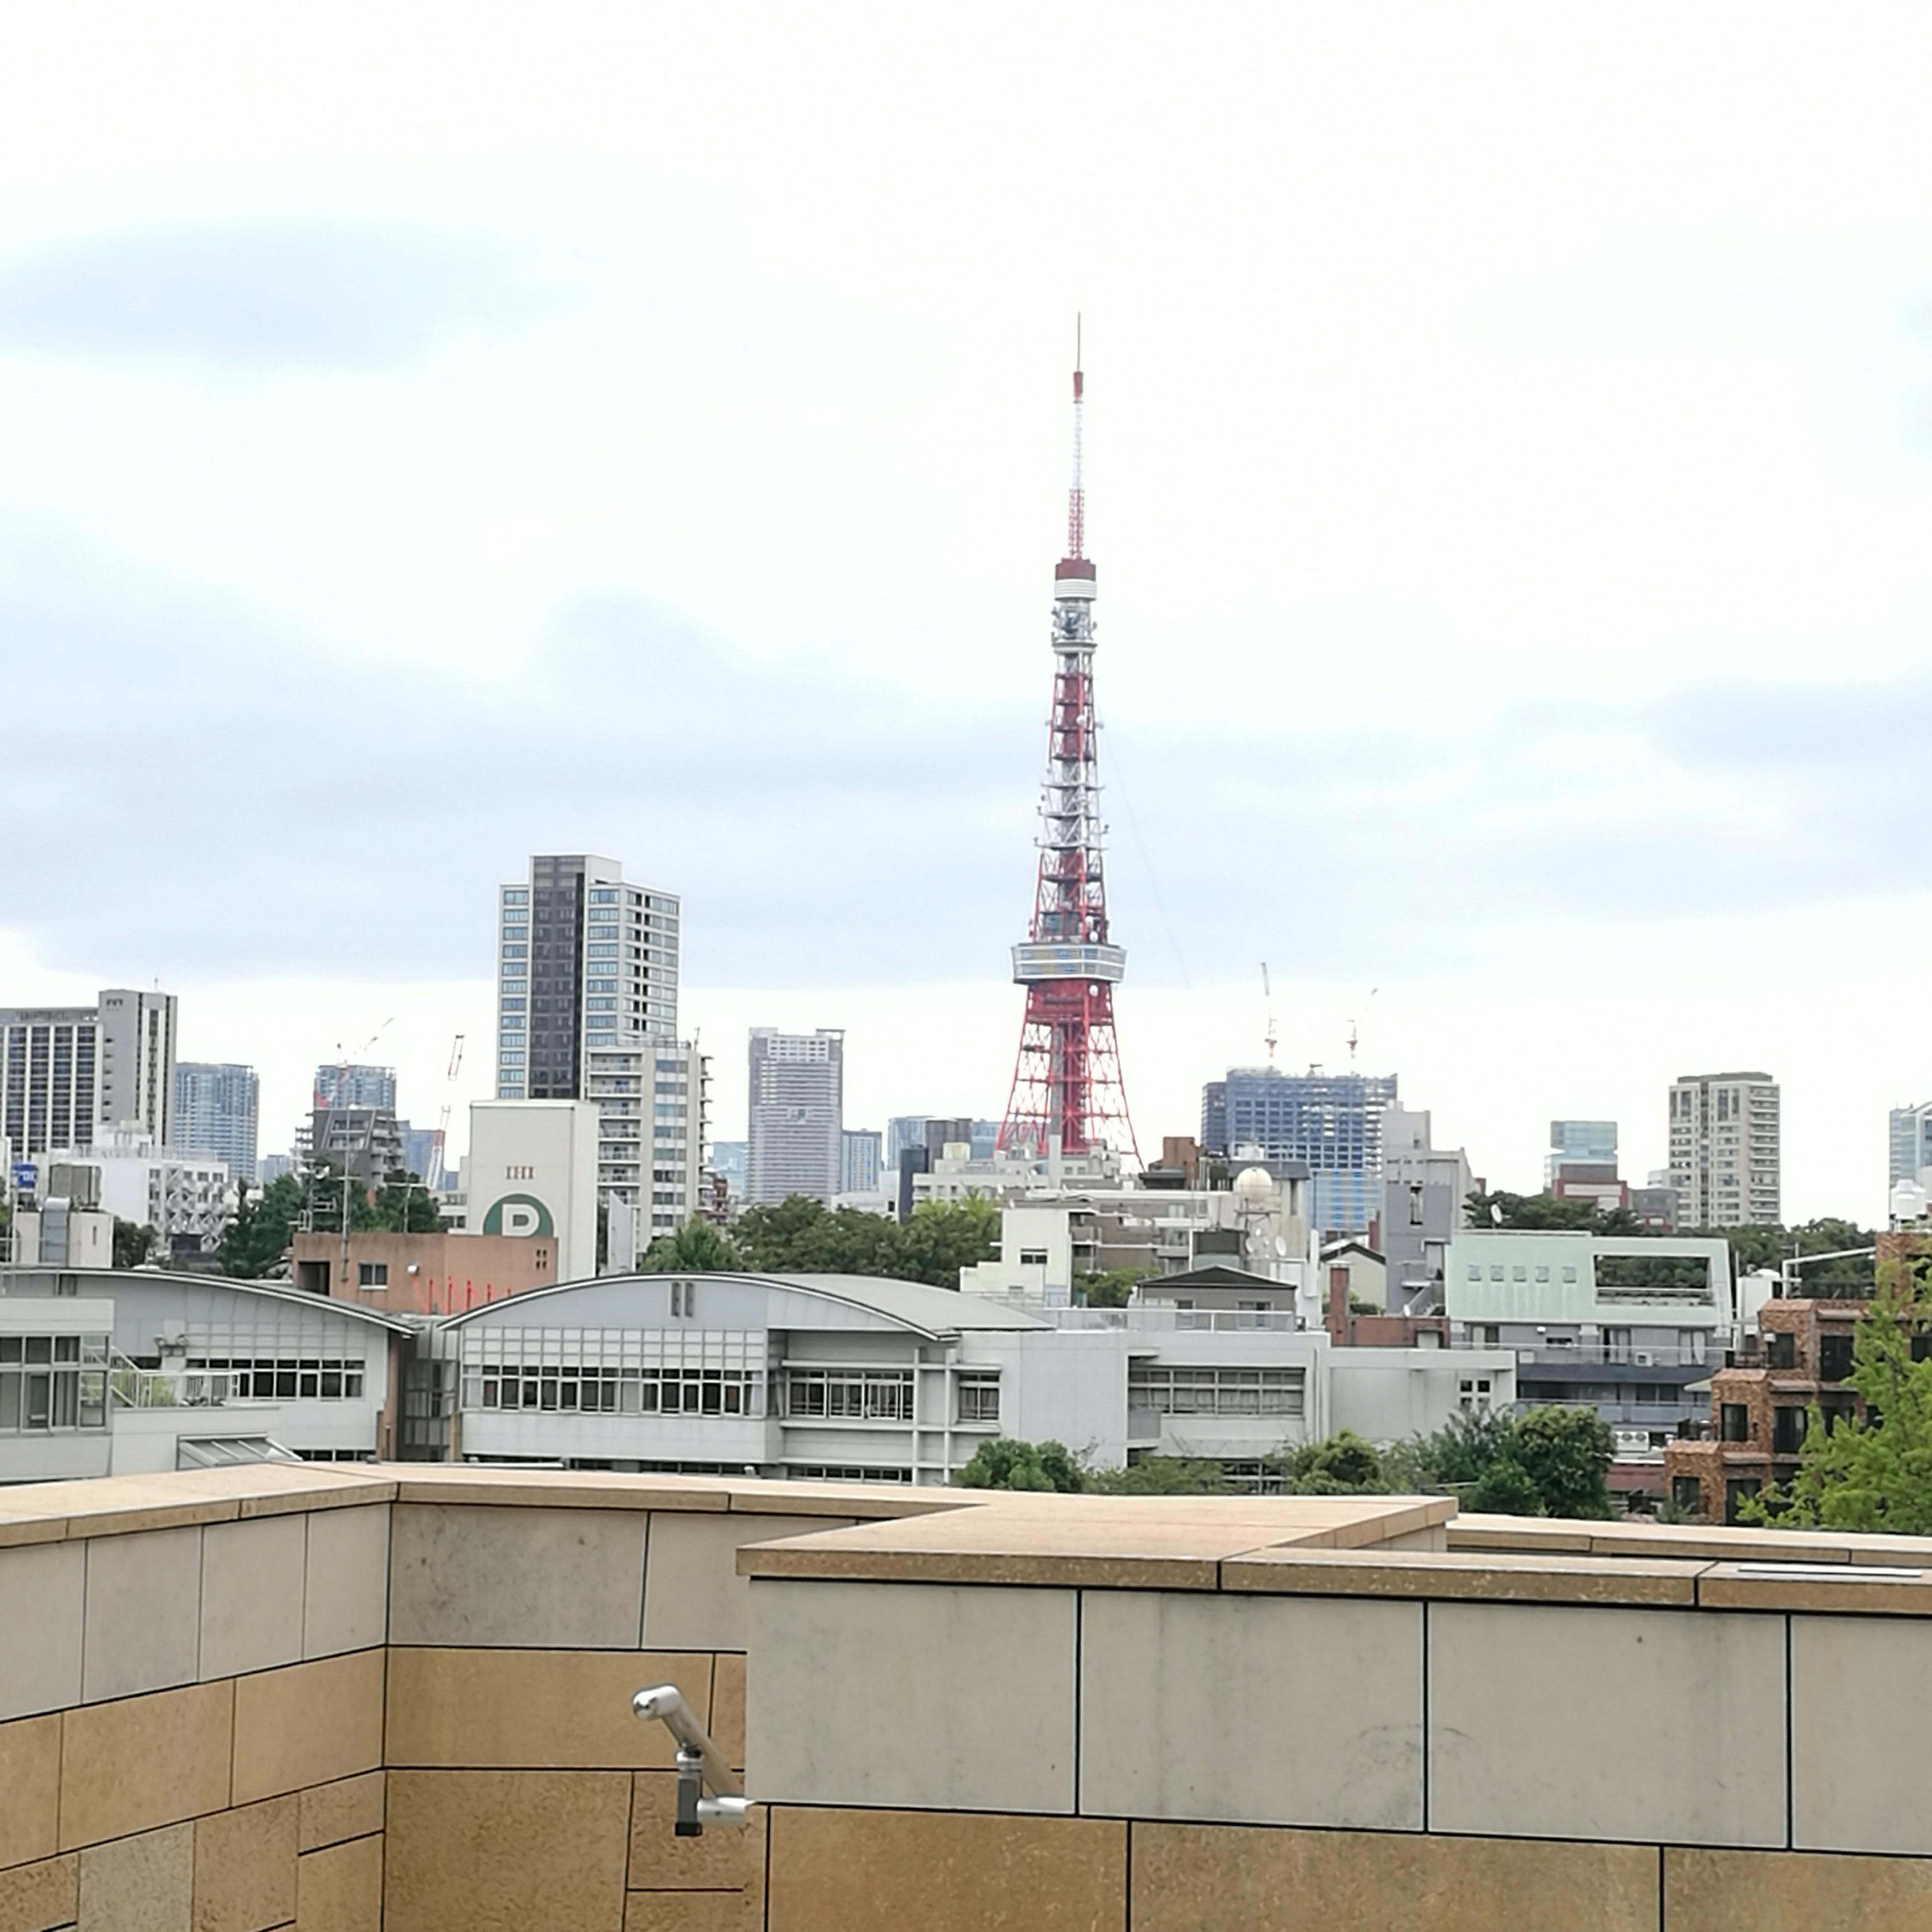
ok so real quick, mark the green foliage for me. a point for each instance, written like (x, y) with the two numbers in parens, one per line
(402, 1205)
(1002, 1463)
(1160, 1476)
(1500, 1209)
(1565, 1452)
(258, 1237)
(1459, 1453)
(1503, 1489)
(698, 1247)
(802, 1236)
(132, 1245)
(1876, 1474)
(1109, 1288)
(1343, 1465)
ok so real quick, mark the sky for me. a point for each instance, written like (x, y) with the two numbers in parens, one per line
(430, 434)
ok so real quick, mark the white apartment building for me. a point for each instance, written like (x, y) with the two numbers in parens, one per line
(796, 1134)
(586, 1009)
(1725, 1154)
(66, 1073)
(854, 1378)
(178, 1194)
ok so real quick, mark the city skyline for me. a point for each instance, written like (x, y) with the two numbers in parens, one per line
(1572, 460)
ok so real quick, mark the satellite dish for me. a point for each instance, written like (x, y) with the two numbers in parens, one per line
(1280, 1248)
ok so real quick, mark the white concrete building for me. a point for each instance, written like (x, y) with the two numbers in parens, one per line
(797, 1115)
(1725, 1157)
(183, 1197)
(137, 1064)
(852, 1378)
(531, 1169)
(106, 1373)
(70, 1073)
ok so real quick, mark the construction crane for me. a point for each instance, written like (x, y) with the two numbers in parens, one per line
(436, 1153)
(1267, 1000)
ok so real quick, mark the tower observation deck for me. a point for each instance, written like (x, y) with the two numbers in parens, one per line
(1067, 1093)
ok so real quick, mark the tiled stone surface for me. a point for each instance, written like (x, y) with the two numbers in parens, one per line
(911, 1694)
(37, 1897)
(1794, 1891)
(351, 1808)
(1303, 1710)
(145, 1762)
(1521, 1577)
(1861, 1734)
(42, 1590)
(346, 1605)
(694, 1597)
(141, 1627)
(341, 1889)
(1586, 1723)
(728, 1706)
(142, 1884)
(550, 1579)
(691, 1911)
(568, 1709)
(309, 1724)
(1188, 1877)
(724, 1859)
(887, 1871)
(30, 1752)
(505, 1851)
(251, 1595)
(244, 1868)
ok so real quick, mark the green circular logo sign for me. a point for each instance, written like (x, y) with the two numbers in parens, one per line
(519, 1214)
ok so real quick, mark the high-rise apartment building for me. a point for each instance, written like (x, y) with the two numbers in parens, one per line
(343, 1085)
(1911, 1143)
(1332, 1121)
(67, 1073)
(216, 1109)
(859, 1170)
(586, 1009)
(1725, 1158)
(797, 1129)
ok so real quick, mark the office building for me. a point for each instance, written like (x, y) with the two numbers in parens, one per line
(796, 1143)
(1332, 1121)
(67, 1073)
(1581, 1164)
(859, 1172)
(1724, 1150)
(585, 960)
(1425, 1193)
(216, 1105)
(1911, 1143)
(344, 1085)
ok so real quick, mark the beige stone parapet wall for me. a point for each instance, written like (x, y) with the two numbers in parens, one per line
(343, 1698)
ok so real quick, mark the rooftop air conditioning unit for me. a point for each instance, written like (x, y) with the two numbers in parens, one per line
(1643, 1360)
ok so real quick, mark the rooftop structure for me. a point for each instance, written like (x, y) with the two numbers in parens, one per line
(1068, 1096)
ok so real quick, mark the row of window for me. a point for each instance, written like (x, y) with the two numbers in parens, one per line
(52, 1398)
(35, 1349)
(282, 1378)
(570, 1391)
(1217, 1391)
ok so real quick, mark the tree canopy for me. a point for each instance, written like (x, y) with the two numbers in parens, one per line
(133, 1243)
(802, 1236)
(258, 1236)
(698, 1247)
(1002, 1462)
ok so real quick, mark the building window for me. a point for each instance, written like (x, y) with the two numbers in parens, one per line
(1835, 1358)
(849, 1395)
(1415, 1207)
(1781, 1349)
(372, 1274)
(1734, 1422)
(578, 1389)
(1688, 1493)
(53, 1381)
(1032, 1258)
(288, 1377)
(1217, 1391)
(844, 1472)
(978, 1398)
(1787, 1429)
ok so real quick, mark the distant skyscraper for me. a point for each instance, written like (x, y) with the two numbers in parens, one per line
(586, 1010)
(1331, 1120)
(1579, 1143)
(137, 1063)
(1911, 1142)
(1725, 1157)
(69, 1074)
(216, 1105)
(860, 1173)
(797, 1139)
(347, 1086)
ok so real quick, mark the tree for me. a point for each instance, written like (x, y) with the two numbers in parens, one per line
(1503, 1489)
(402, 1205)
(1565, 1453)
(133, 1244)
(1872, 1473)
(1161, 1476)
(698, 1247)
(1002, 1462)
(1109, 1288)
(943, 1237)
(1500, 1209)
(1343, 1464)
(1459, 1452)
(257, 1238)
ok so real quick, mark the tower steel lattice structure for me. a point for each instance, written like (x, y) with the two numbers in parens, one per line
(1067, 1092)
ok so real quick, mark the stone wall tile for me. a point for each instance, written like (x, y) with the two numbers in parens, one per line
(251, 1595)
(1794, 1891)
(244, 1868)
(311, 1723)
(42, 1590)
(30, 1752)
(142, 1884)
(694, 1597)
(350, 1808)
(346, 1605)
(142, 1628)
(339, 1889)
(522, 1578)
(1862, 1733)
(144, 1762)
(38, 1897)
(726, 1858)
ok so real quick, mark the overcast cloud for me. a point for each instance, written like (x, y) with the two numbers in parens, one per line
(432, 434)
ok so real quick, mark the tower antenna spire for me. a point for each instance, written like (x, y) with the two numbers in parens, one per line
(1076, 497)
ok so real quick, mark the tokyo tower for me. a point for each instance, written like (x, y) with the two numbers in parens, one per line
(1067, 1095)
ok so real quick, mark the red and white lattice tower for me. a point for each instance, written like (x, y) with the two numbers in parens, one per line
(1067, 1095)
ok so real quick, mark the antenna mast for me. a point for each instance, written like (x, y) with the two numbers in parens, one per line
(1267, 1000)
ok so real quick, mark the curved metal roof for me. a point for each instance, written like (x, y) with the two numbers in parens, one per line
(13, 1279)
